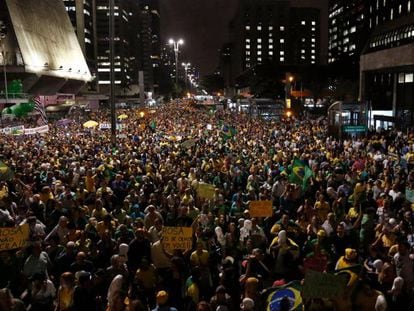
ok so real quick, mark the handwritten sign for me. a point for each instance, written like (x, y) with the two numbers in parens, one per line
(206, 191)
(174, 238)
(322, 285)
(12, 238)
(189, 143)
(260, 209)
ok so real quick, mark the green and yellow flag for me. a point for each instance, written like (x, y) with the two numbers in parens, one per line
(286, 297)
(300, 173)
(6, 173)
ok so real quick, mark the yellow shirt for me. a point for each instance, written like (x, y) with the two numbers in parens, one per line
(199, 259)
(147, 277)
(90, 184)
(322, 210)
(65, 298)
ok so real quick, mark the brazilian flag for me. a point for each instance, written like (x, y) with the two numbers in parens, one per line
(300, 173)
(153, 125)
(6, 173)
(228, 132)
(352, 273)
(278, 298)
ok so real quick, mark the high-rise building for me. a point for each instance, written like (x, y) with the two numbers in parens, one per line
(126, 48)
(374, 39)
(82, 14)
(352, 21)
(347, 30)
(150, 43)
(280, 31)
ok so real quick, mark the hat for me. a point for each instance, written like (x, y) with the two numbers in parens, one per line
(247, 304)
(162, 297)
(350, 254)
(229, 260)
(321, 233)
(280, 282)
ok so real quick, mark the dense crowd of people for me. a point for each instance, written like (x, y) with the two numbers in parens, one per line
(96, 213)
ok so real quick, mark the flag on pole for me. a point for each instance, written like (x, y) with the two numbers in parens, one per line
(40, 108)
(300, 173)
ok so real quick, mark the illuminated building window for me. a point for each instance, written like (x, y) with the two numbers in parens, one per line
(259, 27)
(247, 27)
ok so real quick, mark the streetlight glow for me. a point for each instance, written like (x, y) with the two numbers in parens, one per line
(171, 41)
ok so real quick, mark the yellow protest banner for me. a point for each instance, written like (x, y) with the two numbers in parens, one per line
(260, 209)
(177, 238)
(11, 238)
(206, 191)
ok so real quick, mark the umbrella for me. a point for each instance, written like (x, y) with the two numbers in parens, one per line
(122, 116)
(90, 124)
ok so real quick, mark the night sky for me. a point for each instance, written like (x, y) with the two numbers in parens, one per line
(203, 24)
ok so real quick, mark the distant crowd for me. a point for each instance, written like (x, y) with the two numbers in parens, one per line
(96, 213)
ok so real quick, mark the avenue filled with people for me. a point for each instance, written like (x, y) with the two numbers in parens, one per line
(97, 208)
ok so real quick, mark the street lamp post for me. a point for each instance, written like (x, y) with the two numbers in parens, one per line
(112, 71)
(186, 66)
(176, 46)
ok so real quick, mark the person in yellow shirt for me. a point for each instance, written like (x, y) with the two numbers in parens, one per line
(46, 194)
(200, 256)
(65, 292)
(90, 182)
(322, 208)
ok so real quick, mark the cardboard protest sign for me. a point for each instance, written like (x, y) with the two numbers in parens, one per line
(206, 191)
(174, 238)
(12, 238)
(189, 143)
(260, 209)
(322, 285)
